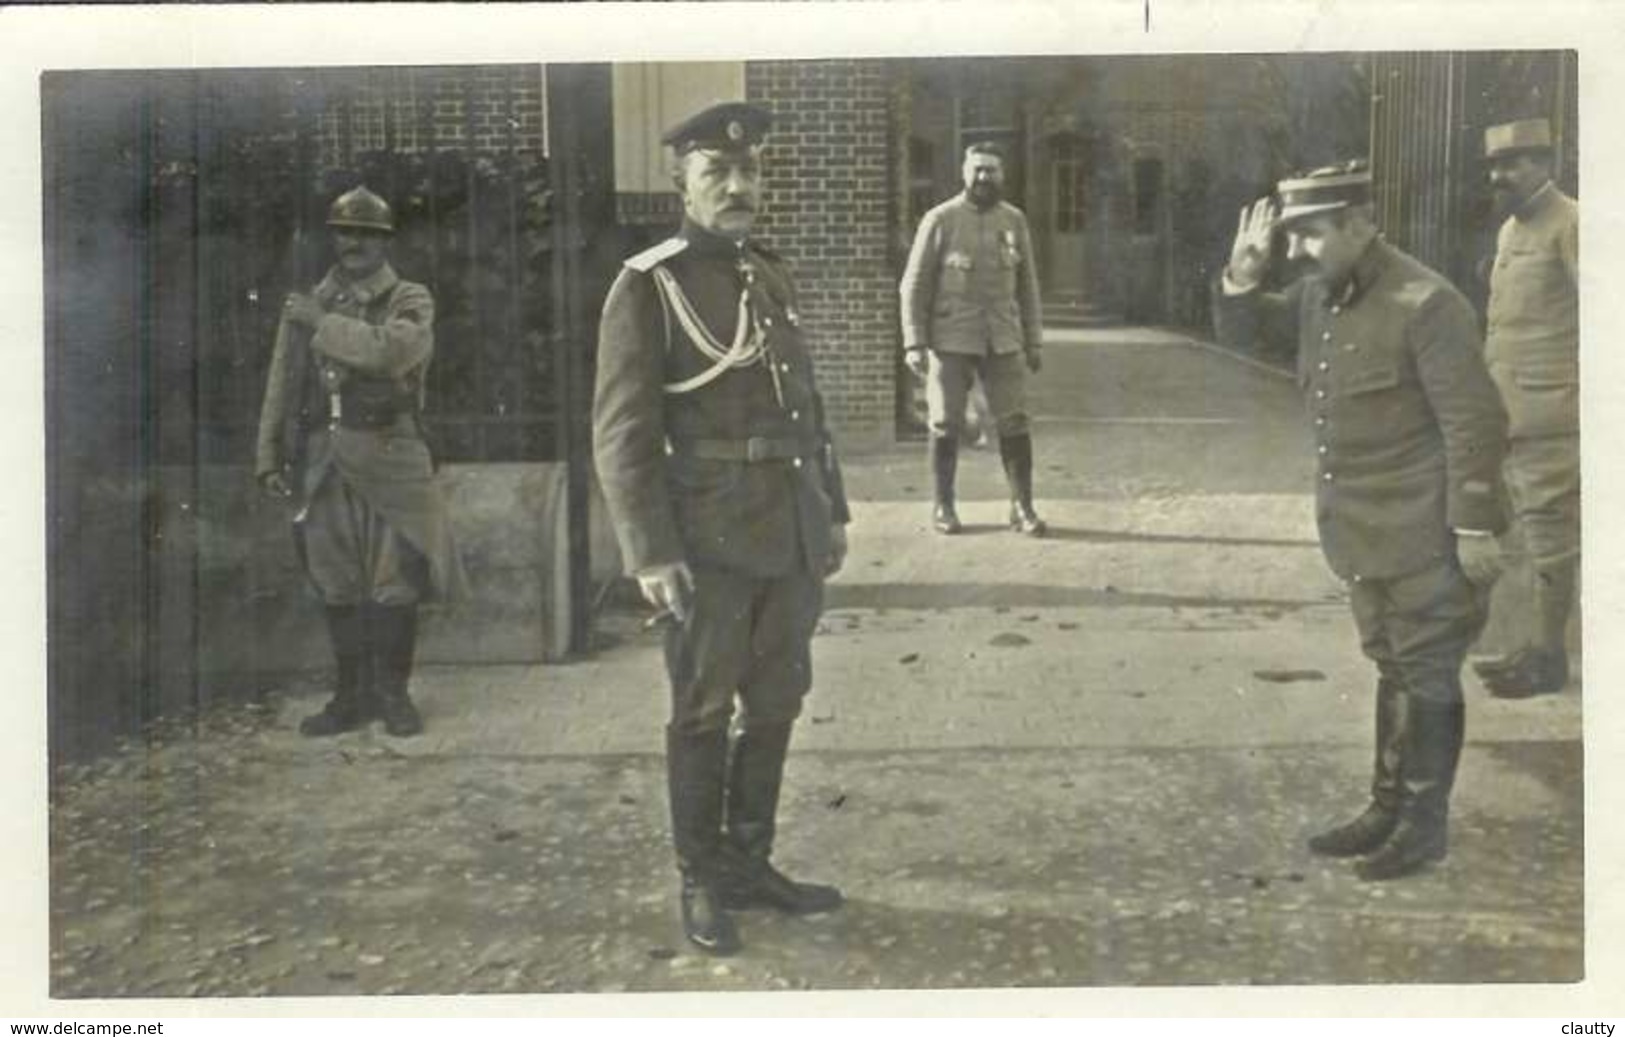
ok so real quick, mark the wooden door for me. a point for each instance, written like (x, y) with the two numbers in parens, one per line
(1067, 181)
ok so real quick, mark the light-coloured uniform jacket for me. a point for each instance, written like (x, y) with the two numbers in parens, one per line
(1533, 339)
(971, 284)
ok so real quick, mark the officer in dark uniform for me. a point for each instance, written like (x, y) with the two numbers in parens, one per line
(1409, 434)
(724, 492)
(340, 434)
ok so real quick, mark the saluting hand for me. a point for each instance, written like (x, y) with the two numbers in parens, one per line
(917, 361)
(668, 588)
(1250, 254)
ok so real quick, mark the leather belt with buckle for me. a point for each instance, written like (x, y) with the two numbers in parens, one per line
(752, 451)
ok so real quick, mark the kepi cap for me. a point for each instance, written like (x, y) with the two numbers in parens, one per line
(1325, 189)
(1512, 138)
(729, 126)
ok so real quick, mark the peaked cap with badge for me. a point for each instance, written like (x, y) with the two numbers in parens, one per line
(729, 126)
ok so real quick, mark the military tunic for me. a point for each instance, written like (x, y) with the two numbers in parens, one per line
(735, 476)
(970, 294)
(1533, 350)
(374, 522)
(1409, 434)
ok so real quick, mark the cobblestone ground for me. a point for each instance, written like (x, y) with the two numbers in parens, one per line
(232, 859)
(1088, 761)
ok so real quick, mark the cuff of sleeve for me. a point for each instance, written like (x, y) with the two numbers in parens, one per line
(1230, 287)
(650, 569)
(1472, 532)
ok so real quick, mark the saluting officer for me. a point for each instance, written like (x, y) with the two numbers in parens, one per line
(969, 298)
(1533, 350)
(340, 433)
(1409, 434)
(723, 488)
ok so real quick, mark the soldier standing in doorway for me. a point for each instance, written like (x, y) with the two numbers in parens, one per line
(341, 434)
(1409, 434)
(723, 488)
(1533, 350)
(970, 308)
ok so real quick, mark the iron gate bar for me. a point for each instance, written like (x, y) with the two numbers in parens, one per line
(559, 88)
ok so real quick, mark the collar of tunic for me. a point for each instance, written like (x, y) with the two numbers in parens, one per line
(1366, 270)
(1536, 203)
(702, 242)
(365, 290)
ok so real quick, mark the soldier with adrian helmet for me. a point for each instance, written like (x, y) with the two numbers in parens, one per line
(1533, 348)
(341, 436)
(1408, 437)
(723, 488)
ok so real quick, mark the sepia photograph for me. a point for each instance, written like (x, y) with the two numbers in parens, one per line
(977, 519)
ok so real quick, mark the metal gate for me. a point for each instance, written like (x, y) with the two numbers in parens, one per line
(1428, 115)
(180, 207)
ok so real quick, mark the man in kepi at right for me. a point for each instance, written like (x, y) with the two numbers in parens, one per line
(1408, 438)
(1533, 350)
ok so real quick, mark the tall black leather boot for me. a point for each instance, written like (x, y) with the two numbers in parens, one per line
(1373, 827)
(1434, 735)
(1017, 454)
(696, 772)
(944, 460)
(394, 633)
(755, 775)
(349, 707)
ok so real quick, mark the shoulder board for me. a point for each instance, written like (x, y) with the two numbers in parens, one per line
(654, 255)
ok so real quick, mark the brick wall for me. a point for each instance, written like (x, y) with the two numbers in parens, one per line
(829, 211)
(483, 110)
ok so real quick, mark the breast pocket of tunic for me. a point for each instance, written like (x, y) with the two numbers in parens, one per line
(1524, 279)
(1547, 399)
(1009, 261)
(1375, 408)
(1370, 380)
(957, 268)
